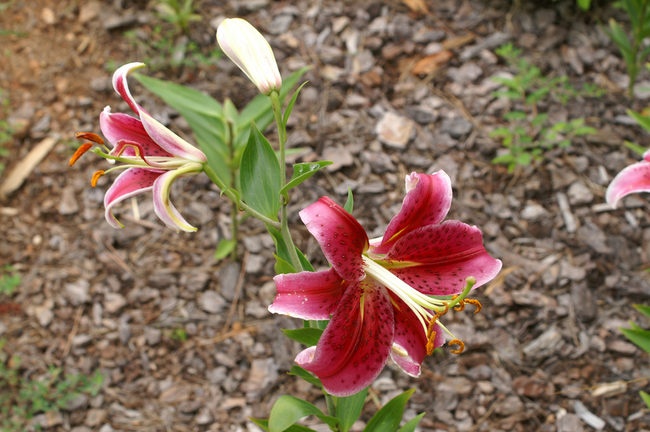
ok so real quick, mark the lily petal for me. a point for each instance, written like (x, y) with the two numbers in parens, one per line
(409, 344)
(118, 127)
(427, 202)
(354, 347)
(339, 235)
(121, 85)
(634, 178)
(164, 137)
(163, 206)
(308, 295)
(169, 141)
(131, 182)
(437, 259)
(248, 49)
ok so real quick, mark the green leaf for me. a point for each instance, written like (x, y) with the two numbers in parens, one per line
(287, 410)
(259, 175)
(300, 372)
(515, 115)
(292, 102)
(644, 309)
(584, 4)
(205, 116)
(349, 202)
(349, 408)
(303, 171)
(307, 336)
(639, 337)
(264, 424)
(388, 418)
(259, 110)
(643, 121)
(636, 148)
(646, 398)
(410, 425)
(224, 248)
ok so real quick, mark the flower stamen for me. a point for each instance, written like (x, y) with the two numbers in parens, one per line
(83, 148)
(459, 344)
(95, 178)
(90, 136)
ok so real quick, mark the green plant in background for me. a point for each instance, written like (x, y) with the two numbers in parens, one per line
(9, 280)
(161, 49)
(527, 132)
(632, 43)
(6, 131)
(640, 337)
(22, 398)
(179, 13)
(584, 4)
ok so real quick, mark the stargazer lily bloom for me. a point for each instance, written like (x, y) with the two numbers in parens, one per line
(632, 179)
(151, 156)
(384, 296)
(248, 49)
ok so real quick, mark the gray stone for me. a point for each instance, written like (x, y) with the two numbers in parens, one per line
(394, 130)
(211, 302)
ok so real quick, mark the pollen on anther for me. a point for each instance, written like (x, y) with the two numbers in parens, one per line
(460, 346)
(83, 148)
(477, 304)
(95, 178)
(90, 136)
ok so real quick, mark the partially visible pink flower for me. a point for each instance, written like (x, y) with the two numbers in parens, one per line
(151, 155)
(632, 179)
(384, 296)
(248, 49)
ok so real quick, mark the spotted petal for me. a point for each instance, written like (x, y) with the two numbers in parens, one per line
(427, 202)
(437, 259)
(339, 235)
(634, 178)
(355, 345)
(409, 344)
(131, 182)
(308, 295)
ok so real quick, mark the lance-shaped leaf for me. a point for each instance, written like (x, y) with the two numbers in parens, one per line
(287, 410)
(303, 171)
(260, 175)
(388, 418)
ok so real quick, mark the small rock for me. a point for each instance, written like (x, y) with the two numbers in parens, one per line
(44, 313)
(211, 302)
(545, 345)
(48, 16)
(579, 194)
(263, 373)
(113, 302)
(509, 406)
(88, 11)
(395, 130)
(569, 423)
(95, 416)
(152, 335)
(456, 127)
(77, 292)
(340, 157)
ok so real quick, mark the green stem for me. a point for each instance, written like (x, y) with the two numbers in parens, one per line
(234, 217)
(232, 195)
(282, 141)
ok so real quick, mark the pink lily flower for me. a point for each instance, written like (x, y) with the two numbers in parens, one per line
(634, 178)
(384, 296)
(151, 155)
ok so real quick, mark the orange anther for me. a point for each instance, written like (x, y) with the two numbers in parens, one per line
(95, 177)
(83, 148)
(459, 343)
(477, 304)
(90, 136)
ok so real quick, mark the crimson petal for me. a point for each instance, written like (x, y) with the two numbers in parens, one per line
(355, 345)
(427, 202)
(437, 259)
(339, 235)
(308, 295)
